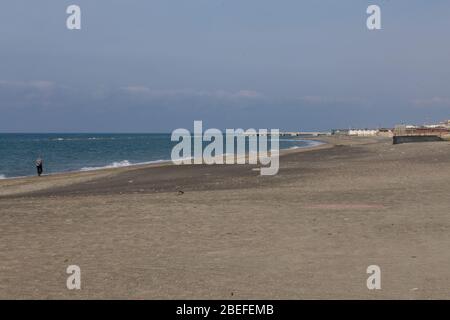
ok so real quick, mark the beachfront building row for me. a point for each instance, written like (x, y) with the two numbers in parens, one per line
(363, 132)
(441, 128)
(402, 130)
(443, 124)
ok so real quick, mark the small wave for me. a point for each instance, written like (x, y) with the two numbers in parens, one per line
(96, 138)
(313, 143)
(2, 176)
(124, 163)
(82, 139)
(61, 139)
(119, 164)
(308, 144)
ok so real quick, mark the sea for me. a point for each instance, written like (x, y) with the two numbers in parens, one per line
(88, 151)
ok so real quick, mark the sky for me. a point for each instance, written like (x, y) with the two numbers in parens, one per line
(158, 65)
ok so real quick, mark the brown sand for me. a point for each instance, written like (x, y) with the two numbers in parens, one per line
(308, 232)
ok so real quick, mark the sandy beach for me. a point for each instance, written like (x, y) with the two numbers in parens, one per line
(226, 232)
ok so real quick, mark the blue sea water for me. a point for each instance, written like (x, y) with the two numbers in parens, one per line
(74, 152)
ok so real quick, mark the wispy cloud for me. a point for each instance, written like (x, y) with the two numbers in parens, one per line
(22, 94)
(331, 100)
(144, 91)
(41, 85)
(432, 102)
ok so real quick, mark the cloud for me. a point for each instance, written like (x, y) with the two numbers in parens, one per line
(41, 85)
(28, 89)
(331, 100)
(38, 95)
(21, 94)
(248, 94)
(48, 95)
(432, 102)
(137, 90)
(147, 92)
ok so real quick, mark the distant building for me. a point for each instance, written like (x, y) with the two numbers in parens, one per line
(340, 131)
(429, 130)
(445, 124)
(384, 132)
(362, 132)
(355, 132)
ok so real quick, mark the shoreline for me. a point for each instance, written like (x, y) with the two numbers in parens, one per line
(166, 171)
(26, 184)
(143, 164)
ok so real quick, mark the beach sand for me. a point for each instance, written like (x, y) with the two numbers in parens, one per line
(225, 232)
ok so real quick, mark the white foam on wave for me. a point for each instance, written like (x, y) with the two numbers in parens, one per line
(124, 163)
(309, 143)
(119, 164)
(83, 139)
(2, 176)
(313, 143)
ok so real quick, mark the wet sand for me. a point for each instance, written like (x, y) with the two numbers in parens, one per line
(226, 232)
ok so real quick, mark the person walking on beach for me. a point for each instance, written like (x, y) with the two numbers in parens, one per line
(39, 164)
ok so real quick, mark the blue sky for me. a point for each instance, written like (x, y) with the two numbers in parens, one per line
(154, 66)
